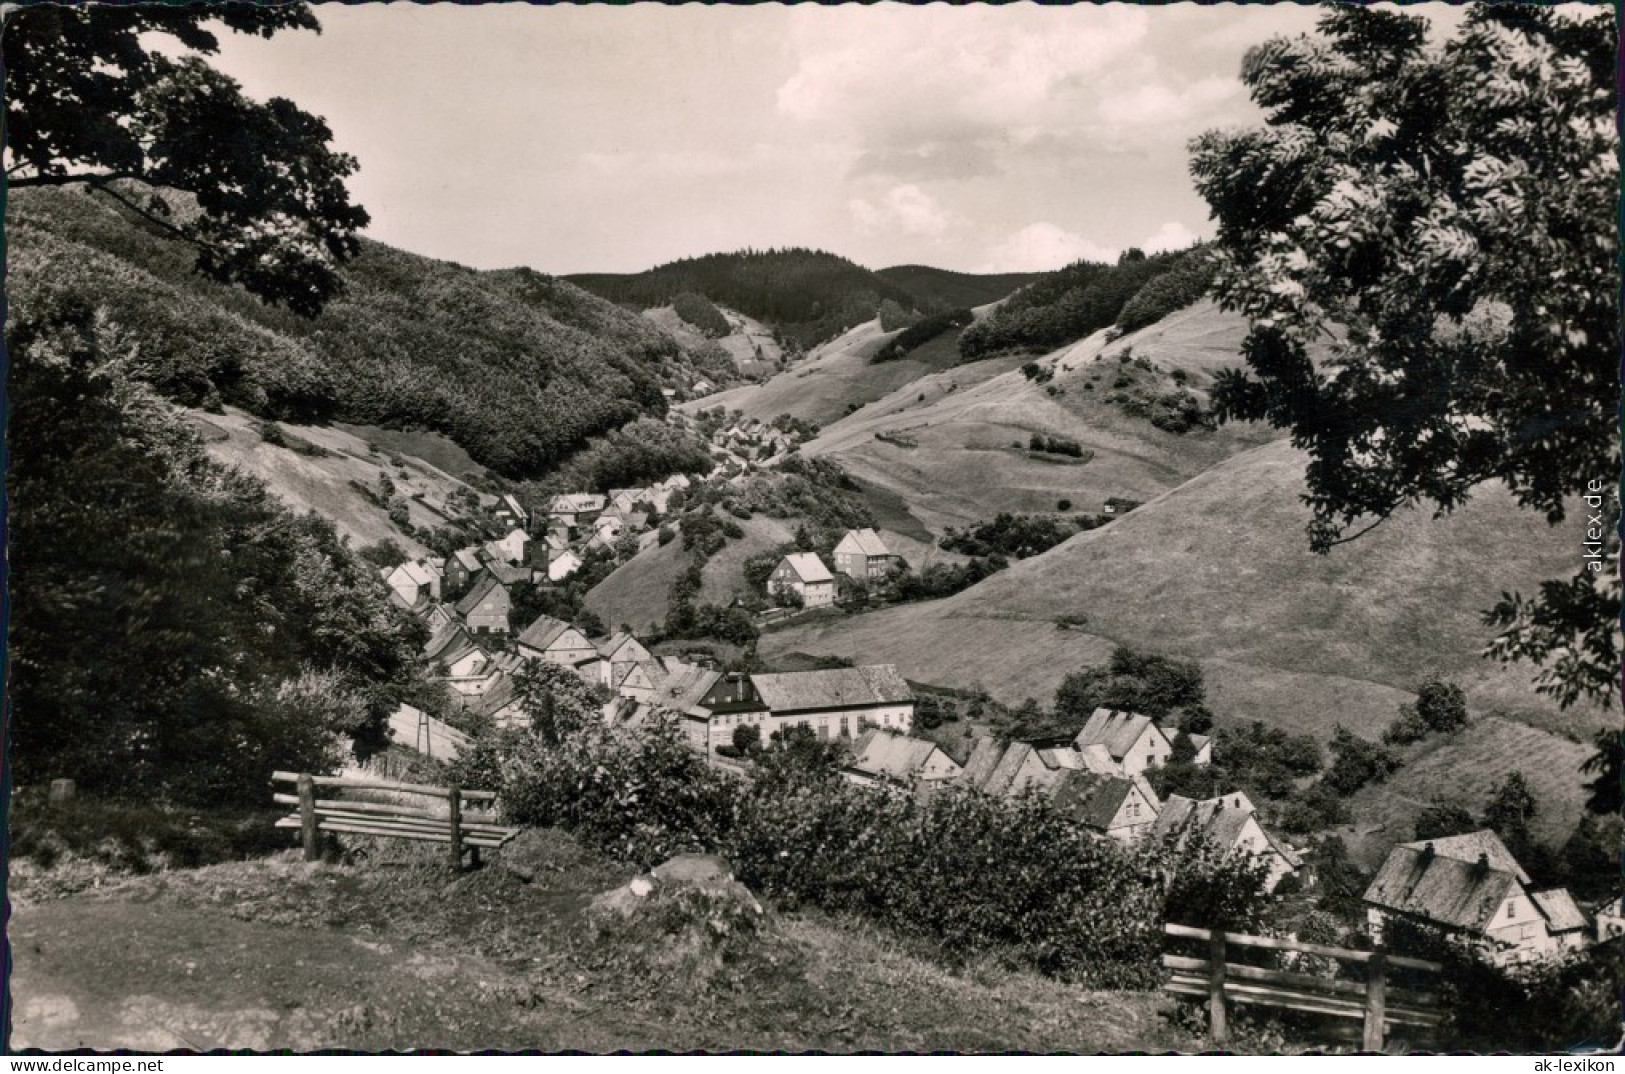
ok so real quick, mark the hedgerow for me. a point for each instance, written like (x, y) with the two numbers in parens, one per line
(1016, 880)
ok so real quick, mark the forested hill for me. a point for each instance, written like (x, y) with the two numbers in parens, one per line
(1065, 306)
(518, 368)
(957, 290)
(808, 295)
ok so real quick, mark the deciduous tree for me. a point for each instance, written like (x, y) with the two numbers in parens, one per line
(255, 187)
(1441, 222)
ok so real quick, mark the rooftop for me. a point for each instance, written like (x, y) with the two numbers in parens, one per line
(833, 688)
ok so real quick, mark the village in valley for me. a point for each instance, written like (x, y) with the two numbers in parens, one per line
(1469, 885)
(522, 611)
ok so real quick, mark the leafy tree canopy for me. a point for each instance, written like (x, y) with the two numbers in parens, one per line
(254, 187)
(1442, 220)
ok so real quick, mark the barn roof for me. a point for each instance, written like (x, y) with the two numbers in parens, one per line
(469, 558)
(809, 568)
(1445, 890)
(1118, 731)
(984, 757)
(833, 688)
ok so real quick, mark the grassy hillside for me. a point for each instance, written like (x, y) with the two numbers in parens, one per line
(636, 593)
(808, 295)
(518, 368)
(749, 345)
(952, 445)
(322, 482)
(835, 378)
(1219, 570)
(1464, 769)
(957, 290)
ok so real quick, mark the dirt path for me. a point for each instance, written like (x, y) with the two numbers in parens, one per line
(153, 976)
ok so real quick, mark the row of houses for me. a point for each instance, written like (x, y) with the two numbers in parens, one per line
(1085, 781)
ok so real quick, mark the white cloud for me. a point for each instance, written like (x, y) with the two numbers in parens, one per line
(1041, 247)
(906, 209)
(1170, 236)
(903, 70)
(1157, 104)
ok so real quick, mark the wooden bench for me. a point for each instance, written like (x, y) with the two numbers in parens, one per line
(389, 819)
(1372, 1001)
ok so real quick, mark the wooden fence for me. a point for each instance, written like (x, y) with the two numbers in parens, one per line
(389, 819)
(1373, 1001)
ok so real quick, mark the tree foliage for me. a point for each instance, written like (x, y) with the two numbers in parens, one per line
(175, 632)
(254, 188)
(522, 370)
(1442, 221)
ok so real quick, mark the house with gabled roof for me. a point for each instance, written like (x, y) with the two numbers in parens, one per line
(413, 581)
(1106, 801)
(881, 757)
(836, 701)
(556, 642)
(1132, 741)
(617, 655)
(462, 566)
(512, 548)
(1118, 807)
(454, 651)
(576, 508)
(510, 510)
(862, 556)
(486, 607)
(805, 575)
(1470, 888)
(1230, 825)
(501, 704)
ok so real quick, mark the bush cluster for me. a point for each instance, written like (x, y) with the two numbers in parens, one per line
(1013, 879)
(921, 333)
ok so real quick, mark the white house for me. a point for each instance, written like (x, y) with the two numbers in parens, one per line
(556, 642)
(413, 581)
(880, 756)
(1230, 824)
(1133, 742)
(566, 564)
(805, 575)
(1471, 888)
(618, 656)
(511, 548)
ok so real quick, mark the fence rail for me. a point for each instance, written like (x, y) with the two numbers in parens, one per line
(388, 819)
(1373, 1001)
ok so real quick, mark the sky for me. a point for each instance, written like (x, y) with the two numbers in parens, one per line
(611, 139)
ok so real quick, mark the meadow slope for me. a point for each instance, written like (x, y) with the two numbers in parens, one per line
(952, 444)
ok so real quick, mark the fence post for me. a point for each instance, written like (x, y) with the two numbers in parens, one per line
(1218, 1024)
(455, 800)
(307, 818)
(1376, 1000)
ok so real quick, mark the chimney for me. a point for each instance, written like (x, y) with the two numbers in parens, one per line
(1427, 854)
(1483, 863)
